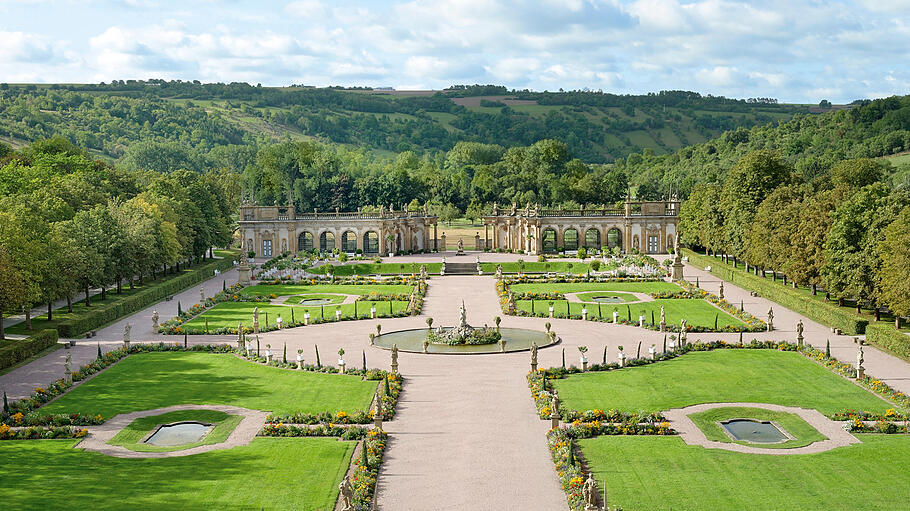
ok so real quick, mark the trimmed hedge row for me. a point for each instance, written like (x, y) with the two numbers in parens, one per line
(825, 313)
(14, 351)
(103, 314)
(885, 336)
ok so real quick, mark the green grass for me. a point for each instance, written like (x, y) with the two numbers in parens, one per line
(156, 380)
(660, 473)
(803, 433)
(315, 296)
(720, 376)
(590, 296)
(131, 436)
(270, 473)
(696, 312)
(637, 287)
(230, 314)
(378, 269)
(347, 289)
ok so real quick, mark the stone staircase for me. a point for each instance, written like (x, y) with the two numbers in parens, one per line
(461, 268)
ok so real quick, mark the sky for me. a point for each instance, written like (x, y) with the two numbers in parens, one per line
(795, 51)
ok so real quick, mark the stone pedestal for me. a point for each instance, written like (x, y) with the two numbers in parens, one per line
(584, 365)
(663, 326)
(554, 420)
(652, 351)
(677, 270)
(799, 340)
(126, 344)
(243, 272)
(394, 367)
(68, 377)
(341, 366)
(860, 373)
(615, 317)
(584, 314)
(268, 357)
(338, 315)
(306, 319)
(533, 367)
(377, 420)
(551, 312)
(372, 312)
(641, 321)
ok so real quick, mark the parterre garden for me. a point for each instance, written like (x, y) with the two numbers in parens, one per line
(616, 429)
(282, 468)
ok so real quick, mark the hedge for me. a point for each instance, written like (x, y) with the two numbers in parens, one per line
(106, 313)
(14, 351)
(823, 312)
(884, 335)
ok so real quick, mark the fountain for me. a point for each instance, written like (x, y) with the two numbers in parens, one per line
(463, 339)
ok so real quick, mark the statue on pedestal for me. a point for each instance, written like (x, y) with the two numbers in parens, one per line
(589, 494)
(720, 293)
(155, 321)
(256, 320)
(771, 319)
(126, 333)
(347, 495)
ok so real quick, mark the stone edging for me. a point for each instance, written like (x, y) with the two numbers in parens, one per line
(243, 434)
(693, 435)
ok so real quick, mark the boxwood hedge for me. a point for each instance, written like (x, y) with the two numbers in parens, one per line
(825, 313)
(103, 314)
(13, 351)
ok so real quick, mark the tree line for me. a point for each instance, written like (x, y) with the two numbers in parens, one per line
(70, 223)
(847, 230)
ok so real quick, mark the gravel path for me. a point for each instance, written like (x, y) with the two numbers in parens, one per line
(99, 436)
(693, 435)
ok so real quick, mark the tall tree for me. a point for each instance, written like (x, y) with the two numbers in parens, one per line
(894, 272)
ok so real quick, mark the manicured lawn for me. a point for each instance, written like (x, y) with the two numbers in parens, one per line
(569, 287)
(696, 312)
(230, 314)
(347, 289)
(270, 473)
(343, 270)
(590, 296)
(735, 375)
(647, 473)
(155, 380)
(792, 423)
(131, 436)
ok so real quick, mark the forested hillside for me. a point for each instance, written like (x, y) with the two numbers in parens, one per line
(194, 125)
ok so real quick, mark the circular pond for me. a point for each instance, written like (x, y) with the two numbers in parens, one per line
(517, 339)
(180, 433)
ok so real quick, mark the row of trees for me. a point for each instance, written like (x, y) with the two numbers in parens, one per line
(847, 231)
(470, 176)
(69, 224)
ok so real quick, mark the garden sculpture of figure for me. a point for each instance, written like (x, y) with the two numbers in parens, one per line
(202, 295)
(68, 363)
(799, 328)
(155, 321)
(347, 494)
(126, 333)
(771, 319)
(256, 320)
(460, 245)
(663, 315)
(394, 354)
(860, 370)
(534, 354)
(589, 494)
(721, 292)
(554, 403)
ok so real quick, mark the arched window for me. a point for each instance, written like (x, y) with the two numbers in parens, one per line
(348, 242)
(549, 240)
(371, 242)
(570, 239)
(326, 241)
(305, 242)
(614, 238)
(592, 239)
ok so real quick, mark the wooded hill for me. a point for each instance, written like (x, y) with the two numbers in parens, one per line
(194, 125)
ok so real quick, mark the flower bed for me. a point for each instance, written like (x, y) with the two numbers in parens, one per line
(477, 337)
(38, 432)
(284, 430)
(568, 469)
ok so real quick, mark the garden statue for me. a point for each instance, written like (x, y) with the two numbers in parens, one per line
(68, 368)
(860, 370)
(677, 261)
(799, 333)
(498, 272)
(202, 295)
(533, 356)
(511, 307)
(126, 334)
(155, 321)
(663, 319)
(720, 293)
(554, 403)
(426, 344)
(682, 332)
(395, 358)
(347, 495)
(502, 345)
(240, 336)
(460, 246)
(589, 494)
(771, 319)
(256, 320)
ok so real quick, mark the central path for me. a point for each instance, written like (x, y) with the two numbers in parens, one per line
(467, 435)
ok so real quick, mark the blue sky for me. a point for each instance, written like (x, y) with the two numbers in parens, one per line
(796, 51)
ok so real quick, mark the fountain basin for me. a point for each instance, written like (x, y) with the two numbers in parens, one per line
(517, 339)
(179, 433)
(754, 431)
